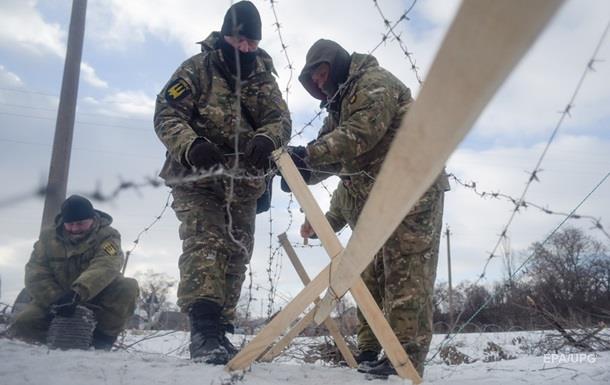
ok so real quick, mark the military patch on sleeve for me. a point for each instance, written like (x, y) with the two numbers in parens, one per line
(109, 248)
(176, 90)
(352, 100)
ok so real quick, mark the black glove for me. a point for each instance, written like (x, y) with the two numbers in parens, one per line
(258, 151)
(65, 306)
(298, 155)
(263, 203)
(204, 154)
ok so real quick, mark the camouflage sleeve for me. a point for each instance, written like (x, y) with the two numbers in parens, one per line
(322, 172)
(370, 110)
(175, 107)
(103, 268)
(334, 215)
(39, 280)
(274, 123)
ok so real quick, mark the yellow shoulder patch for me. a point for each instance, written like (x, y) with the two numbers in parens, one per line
(177, 90)
(109, 248)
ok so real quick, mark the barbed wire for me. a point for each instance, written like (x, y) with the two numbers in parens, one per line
(452, 334)
(597, 224)
(398, 38)
(534, 174)
(136, 241)
(520, 201)
(270, 296)
(290, 66)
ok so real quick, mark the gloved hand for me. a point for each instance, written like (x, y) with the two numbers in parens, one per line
(65, 306)
(204, 154)
(298, 155)
(258, 151)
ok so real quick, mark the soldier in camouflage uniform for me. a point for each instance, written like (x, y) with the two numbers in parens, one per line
(78, 261)
(205, 126)
(344, 210)
(365, 106)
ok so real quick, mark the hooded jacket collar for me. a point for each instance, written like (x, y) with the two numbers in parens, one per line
(329, 52)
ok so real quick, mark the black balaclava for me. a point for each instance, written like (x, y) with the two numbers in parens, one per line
(76, 208)
(248, 24)
(325, 51)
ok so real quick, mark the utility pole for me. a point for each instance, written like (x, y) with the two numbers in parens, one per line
(64, 127)
(448, 233)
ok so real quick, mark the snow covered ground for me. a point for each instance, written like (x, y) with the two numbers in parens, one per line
(162, 359)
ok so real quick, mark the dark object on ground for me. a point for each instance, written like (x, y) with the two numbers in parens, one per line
(75, 332)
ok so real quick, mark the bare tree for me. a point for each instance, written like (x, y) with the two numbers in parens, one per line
(570, 274)
(154, 289)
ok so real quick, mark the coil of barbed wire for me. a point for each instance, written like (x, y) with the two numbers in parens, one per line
(75, 332)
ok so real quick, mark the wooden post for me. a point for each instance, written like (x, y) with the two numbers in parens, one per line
(59, 167)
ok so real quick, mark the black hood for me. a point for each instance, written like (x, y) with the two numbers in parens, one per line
(325, 51)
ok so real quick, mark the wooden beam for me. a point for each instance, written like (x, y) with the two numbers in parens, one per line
(484, 43)
(330, 324)
(280, 322)
(279, 346)
(255, 348)
(379, 325)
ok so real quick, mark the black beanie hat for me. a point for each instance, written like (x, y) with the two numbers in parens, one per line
(248, 21)
(76, 208)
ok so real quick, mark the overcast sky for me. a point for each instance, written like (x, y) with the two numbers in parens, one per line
(132, 47)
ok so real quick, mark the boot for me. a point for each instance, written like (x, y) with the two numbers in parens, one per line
(226, 342)
(206, 334)
(366, 356)
(102, 341)
(380, 371)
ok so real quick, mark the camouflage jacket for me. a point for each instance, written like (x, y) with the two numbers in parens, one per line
(343, 209)
(199, 101)
(360, 125)
(58, 265)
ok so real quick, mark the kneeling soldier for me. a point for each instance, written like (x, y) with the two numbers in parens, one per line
(77, 263)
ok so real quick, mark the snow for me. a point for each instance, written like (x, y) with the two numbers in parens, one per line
(162, 358)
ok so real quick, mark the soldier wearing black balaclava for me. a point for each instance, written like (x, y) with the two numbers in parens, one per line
(205, 129)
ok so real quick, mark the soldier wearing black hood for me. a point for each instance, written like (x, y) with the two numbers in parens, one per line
(365, 106)
(198, 120)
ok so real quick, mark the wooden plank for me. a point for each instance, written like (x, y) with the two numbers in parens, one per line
(330, 324)
(282, 320)
(279, 323)
(484, 43)
(279, 346)
(361, 294)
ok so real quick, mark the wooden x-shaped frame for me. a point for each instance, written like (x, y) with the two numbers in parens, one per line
(330, 324)
(484, 43)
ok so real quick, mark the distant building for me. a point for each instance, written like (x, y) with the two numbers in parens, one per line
(172, 320)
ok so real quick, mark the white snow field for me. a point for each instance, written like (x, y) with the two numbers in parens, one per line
(163, 359)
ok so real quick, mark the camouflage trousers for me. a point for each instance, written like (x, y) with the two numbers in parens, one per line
(112, 307)
(217, 239)
(401, 279)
